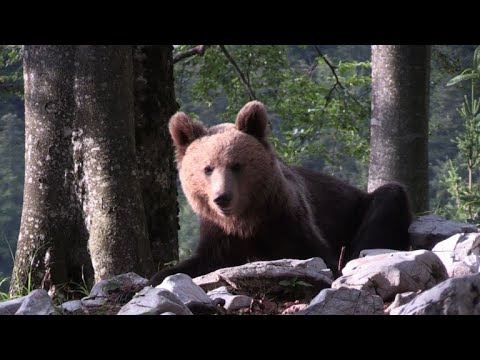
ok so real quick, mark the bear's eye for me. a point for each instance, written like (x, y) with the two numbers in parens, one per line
(208, 170)
(236, 167)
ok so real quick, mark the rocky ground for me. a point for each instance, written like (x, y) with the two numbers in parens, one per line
(440, 277)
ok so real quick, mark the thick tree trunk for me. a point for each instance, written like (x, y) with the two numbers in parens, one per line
(81, 176)
(50, 232)
(154, 105)
(399, 125)
(112, 199)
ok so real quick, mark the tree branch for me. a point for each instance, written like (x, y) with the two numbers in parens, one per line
(310, 70)
(329, 96)
(240, 74)
(333, 68)
(450, 65)
(197, 50)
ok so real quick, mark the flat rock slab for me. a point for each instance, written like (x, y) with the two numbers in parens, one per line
(113, 289)
(457, 296)
(344, 301)
(261, 275)
(37, 303)
(373, 252)
(153, 301)
(71, 306)
(428, 230)
(393, 273)
(10, 307)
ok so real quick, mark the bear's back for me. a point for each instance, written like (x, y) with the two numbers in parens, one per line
(332, 199)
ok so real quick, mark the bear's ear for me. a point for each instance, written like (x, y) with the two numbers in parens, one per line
(252, 119)
(184, 130)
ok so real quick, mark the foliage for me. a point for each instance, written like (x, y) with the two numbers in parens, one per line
(73, 290)
(11, 75)
(322, 129)
(319, 108)
(464, 202)
(444, 124)
(11, 155)
(26, 289)
(321, 119)
(3, 295)
(11, 187)
(294, 286)
(312, 114)
(189, 227)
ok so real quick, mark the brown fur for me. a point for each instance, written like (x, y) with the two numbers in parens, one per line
(253, 206)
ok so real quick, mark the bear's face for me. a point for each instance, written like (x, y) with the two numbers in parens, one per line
(226, 170)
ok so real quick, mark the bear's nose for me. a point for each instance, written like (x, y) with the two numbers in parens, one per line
(223, 200)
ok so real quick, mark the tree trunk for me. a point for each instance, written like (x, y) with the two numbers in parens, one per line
(154, 105)
(82, 182)
(112, 200)
(399, 125)
(50, 232)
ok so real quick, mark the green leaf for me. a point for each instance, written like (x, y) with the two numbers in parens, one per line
(462, 77)
(285, 283)
(303, 283)
(476, 59)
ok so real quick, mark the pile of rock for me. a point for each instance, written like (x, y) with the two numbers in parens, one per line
(441, 278)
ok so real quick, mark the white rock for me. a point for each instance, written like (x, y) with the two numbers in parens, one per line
(232, 302)
(460, 254)
(344, 301)
(185, 289)
(153, 301)
(102, 291)
(400, 300)
(456, 296)
(373, 252)
(91, 302)
(71, 306)
(389, 274)
(37, 303)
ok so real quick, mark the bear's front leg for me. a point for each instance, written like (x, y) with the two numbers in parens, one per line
(193, 267)
(215, 250)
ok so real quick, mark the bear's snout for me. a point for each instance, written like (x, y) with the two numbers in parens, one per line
(224, 200)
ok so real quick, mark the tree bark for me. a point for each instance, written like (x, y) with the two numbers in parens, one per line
(155, 103)
(83, 210)
(113, 206)
(51, 232)
(399, 124)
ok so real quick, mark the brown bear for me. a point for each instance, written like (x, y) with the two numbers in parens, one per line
(252, 206)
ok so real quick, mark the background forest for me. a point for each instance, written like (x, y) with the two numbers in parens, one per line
(319, 100)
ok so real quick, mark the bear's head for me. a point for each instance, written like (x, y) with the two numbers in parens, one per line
(229, 170)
